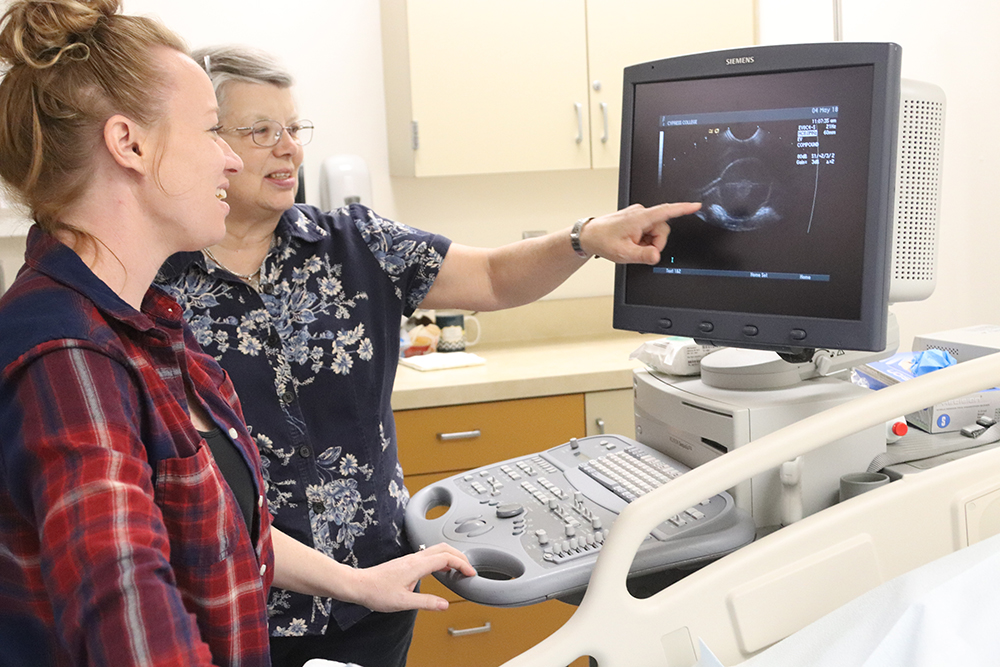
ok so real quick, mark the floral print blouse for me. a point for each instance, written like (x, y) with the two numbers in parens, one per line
(312, 354)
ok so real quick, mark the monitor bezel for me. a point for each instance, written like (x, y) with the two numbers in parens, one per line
(774, 332)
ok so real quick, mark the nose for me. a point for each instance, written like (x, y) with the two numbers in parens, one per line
(286, 145)
(234, 164)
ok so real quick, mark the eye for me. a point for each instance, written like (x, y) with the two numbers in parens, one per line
(216, 129)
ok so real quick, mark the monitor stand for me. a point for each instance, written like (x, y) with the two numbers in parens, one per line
(740, 369)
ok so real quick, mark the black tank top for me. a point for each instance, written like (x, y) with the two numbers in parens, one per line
(237, 475)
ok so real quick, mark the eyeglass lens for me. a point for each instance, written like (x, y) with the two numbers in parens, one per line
(267, 133)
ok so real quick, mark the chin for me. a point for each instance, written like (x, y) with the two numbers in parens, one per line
(218, 229)
(285, 203)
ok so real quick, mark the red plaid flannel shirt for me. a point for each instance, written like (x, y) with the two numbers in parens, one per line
(120, 542)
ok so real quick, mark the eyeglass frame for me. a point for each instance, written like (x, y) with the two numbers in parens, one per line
(277, 140)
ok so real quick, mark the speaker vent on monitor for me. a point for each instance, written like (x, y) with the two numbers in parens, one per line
(918, 188)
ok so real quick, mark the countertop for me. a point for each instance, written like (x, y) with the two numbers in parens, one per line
(522, 371)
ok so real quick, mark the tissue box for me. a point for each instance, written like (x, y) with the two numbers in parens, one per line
(953, 415)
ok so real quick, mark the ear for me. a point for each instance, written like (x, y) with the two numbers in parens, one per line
(125, 140)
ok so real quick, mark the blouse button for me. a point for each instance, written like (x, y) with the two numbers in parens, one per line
(233, 433)
(260, 501)
(263, 569)
(288, 397)
(304, 452)
(267, 288)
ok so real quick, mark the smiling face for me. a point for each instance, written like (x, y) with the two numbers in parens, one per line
(266, 187)
(191, 164)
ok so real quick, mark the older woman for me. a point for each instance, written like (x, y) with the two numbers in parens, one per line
(302, 308)
(133, 527)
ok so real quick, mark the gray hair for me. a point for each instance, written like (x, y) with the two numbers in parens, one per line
(225, 64)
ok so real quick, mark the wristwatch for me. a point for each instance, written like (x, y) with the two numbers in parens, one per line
(574, 236)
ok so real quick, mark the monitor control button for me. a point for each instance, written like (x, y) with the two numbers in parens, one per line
(750, 330)
(665, 323)
(797, 334)
(706, 327)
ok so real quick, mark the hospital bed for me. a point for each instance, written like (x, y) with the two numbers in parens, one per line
(761, 594)
(854, 584)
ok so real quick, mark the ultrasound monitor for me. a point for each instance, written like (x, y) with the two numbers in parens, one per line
(791, 151)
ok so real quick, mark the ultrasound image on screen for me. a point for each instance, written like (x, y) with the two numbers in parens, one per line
(780, 165)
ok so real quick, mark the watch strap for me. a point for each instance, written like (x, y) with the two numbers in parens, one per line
(574, 236)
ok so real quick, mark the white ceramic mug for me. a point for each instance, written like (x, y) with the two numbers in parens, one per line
(452, 325)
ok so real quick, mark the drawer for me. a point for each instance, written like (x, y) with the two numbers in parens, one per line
(416, 482)
(459, 437)
(511, 631)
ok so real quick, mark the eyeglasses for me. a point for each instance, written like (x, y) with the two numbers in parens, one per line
(267, 133)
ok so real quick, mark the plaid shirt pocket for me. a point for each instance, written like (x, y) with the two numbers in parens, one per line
(199, 512)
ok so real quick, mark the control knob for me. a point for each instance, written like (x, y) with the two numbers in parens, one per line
(509, 510)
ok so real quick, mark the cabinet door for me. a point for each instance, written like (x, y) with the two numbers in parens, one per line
(610, 412)
(626, 32)
(492, 86)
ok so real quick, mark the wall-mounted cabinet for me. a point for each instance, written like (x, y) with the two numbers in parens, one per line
(519, 85)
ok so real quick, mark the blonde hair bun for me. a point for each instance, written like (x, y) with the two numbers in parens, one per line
(39, 33)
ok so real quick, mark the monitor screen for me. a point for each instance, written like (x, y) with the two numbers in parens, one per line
(790, 150)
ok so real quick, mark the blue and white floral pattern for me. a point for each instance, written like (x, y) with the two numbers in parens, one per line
(308, 355)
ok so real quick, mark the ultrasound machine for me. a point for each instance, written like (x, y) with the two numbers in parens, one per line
(818, 169)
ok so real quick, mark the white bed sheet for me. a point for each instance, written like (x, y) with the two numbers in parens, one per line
(945, 613)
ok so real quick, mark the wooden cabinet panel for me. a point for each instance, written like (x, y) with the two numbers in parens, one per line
(495, 634)
(416, 482)
(492, 86)
(505, 429)
(622, 33)
(611, 411)
(509, 85)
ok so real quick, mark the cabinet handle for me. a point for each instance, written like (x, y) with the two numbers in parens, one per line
(600, 426)
(469, 631)
(460, 435)
(579, 121)
(604, 114)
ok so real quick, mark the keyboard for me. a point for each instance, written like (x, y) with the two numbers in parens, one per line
(533, 526)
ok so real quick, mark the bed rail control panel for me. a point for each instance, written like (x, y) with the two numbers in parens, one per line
(533, 526)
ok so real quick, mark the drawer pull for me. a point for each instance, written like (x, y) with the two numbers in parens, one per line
(460, 435)
(469, 631)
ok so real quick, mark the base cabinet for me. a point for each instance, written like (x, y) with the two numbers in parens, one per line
(470, 635)
(439, 442)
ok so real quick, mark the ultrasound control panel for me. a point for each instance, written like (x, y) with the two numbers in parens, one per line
(533, 526)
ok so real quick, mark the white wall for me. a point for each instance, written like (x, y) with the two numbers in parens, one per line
(954, 45)
(334, 48)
